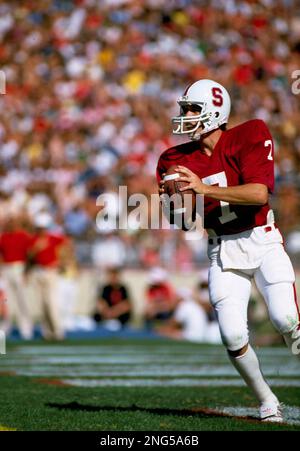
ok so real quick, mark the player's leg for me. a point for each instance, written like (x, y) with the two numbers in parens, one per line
(10, 301)
(53, 311)
(40, 286)
(229, 293)
(275, 280)
(23, 315)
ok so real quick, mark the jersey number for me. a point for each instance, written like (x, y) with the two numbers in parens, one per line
(221, 180)
(268, 143)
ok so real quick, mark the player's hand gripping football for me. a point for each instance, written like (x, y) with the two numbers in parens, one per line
(161, 189)
(192, 179)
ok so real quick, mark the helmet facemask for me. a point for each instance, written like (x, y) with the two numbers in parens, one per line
(195, 125)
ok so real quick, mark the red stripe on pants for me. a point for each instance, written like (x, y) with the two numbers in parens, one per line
(296, 302)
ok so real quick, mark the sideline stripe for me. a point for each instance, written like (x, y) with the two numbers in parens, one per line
(56, 382)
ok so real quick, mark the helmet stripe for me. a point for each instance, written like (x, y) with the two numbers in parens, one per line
(186, 90)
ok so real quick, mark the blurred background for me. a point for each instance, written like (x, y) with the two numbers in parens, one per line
(91, 86)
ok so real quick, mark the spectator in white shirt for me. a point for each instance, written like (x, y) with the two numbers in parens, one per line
(189, 321)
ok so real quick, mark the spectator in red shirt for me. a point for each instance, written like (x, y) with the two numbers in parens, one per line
(159, 297)
(14, 245)
(46, 250)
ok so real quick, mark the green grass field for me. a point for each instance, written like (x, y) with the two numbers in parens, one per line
(130, 385)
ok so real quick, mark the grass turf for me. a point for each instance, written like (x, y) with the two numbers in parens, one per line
(27, 403)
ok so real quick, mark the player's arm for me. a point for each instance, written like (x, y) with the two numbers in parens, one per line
(248, 194)
(102, 302)
(103, 307)
(119, 309)
(256, 164)
(122, 307)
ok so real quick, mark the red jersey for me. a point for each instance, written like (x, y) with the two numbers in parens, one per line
(45, 249)
(14, 246)
(243, 154)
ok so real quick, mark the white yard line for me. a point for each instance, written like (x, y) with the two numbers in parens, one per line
(179, 349)
(134, 359)
(172, 382)
(109, 361)
(153, 371)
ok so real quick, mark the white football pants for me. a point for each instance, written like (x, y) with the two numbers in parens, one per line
(230, 292)
(17, 301)
(45, 282)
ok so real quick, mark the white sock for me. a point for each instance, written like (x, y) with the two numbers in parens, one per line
(248, 367)
(292, 340)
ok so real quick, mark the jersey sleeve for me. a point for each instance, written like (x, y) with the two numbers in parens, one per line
(257, 156)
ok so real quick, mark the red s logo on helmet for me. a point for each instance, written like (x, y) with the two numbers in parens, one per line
(217, 96)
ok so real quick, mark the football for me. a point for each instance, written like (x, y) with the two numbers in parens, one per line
(179, 206)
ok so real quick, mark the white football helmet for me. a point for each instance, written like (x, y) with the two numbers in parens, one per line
(211, 100)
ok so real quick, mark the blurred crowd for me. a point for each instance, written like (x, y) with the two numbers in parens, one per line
(42, 259)
(91, 86)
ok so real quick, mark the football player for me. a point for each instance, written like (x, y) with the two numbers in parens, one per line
(234, 170)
